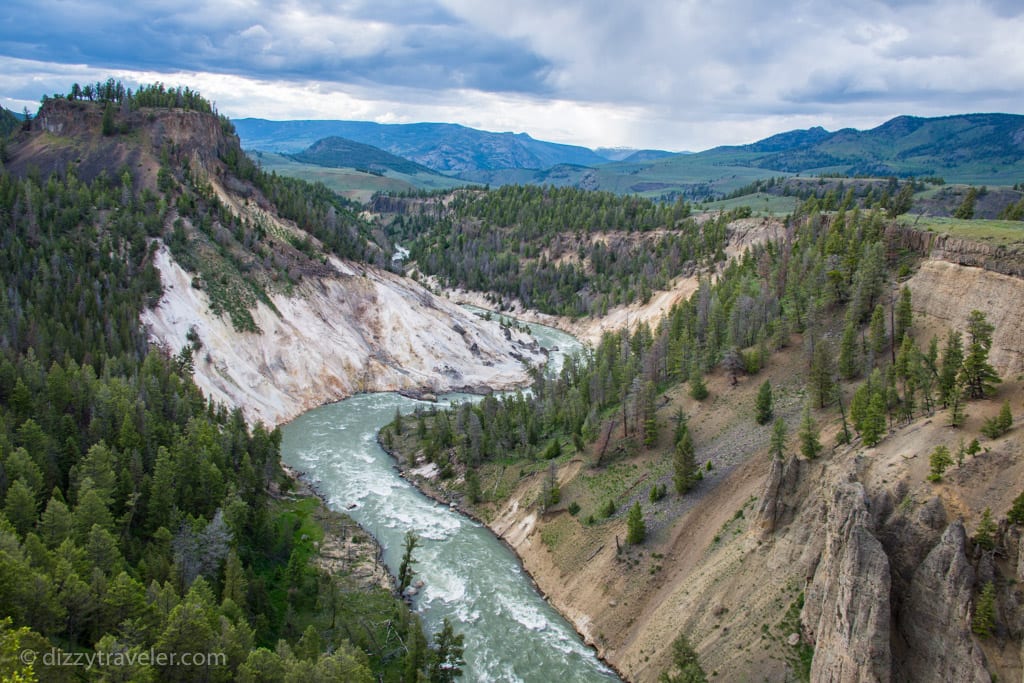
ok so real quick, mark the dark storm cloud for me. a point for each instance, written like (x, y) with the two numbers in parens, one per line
(388, 43)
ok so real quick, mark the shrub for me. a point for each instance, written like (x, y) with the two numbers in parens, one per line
(994, 427)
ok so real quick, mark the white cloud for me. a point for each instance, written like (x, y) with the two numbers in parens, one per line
(676, 74)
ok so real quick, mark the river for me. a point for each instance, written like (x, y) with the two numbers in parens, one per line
(511, 633)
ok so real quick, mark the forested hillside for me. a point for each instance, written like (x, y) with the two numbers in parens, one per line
(821, 274)
(605, 447)
(8, 122)
(558, 250)
(135, 516)
(339, 153)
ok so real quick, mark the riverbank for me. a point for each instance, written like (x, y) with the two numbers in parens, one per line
(429, 487)
(346, 546)
(470, 577)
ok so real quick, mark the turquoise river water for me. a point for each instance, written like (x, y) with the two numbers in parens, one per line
(511, 633)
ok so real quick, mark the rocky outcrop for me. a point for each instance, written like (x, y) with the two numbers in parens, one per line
(957, 250)
(776, 509)
(934, 623)
(68, 133)
(846, 607)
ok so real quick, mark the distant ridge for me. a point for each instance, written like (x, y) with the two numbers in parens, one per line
(445, 147)
(336, 152)
(630, 154)
(967, 148)
(905, 145)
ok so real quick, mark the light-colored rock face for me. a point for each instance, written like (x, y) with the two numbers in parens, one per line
(846, 609)
(935, 620)
(948, 293)
(364, 330)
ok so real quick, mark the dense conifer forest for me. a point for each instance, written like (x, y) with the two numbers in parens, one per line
(563, 251)
(831, 279)
(136, 516)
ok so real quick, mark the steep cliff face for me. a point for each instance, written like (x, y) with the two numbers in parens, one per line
(846, 608)
(361, 330)
(945, 293)
(935, 625)
(68, 134)
(1004, 259)
(276, 321)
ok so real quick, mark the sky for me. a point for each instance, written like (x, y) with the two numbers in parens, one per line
(666, 74)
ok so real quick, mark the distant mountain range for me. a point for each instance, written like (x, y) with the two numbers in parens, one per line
(444, 147)
(906, 145)
(968, 148)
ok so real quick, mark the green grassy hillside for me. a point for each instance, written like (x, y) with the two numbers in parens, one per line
(358, 185)
(338, 152)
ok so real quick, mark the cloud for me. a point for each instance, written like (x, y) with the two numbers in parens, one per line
(360, 41)
(669, 73)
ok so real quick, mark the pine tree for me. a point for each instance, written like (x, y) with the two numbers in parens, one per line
(985, 611)
(733, 363)
(966, 209)
(698, 388)
(473, 491)
(681, 420)
(810, 445)
(939, 460)
(877, 337)
(904, 316)
(236, 586)
(684, 464)
(398, 422)
(849, 361)
(979, 377)
(109, 127)
(874, 422)
(778, 443)
(1016, 513)
(551, 494)
(764, 403)
(20, 507)
(685, 663)
(657, 493)
(447, 660)
(955, 401)
(984, 535)
(1005, 417)
(994, 427)
(636, 530)
(822, 376)
(952, 359)
(416, 653)
(405, 570)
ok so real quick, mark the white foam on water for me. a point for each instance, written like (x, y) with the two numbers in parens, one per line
(525, 614)
(433, 523)
(445, 585)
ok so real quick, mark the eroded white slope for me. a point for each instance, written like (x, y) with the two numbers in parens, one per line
(363, 330)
